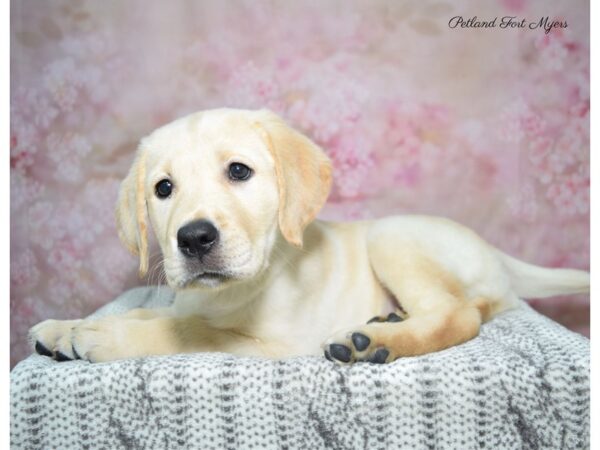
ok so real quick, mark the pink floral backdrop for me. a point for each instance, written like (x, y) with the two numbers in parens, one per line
(489, 127)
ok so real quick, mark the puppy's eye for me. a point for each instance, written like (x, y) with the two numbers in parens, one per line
(239, 172)
(163, 188)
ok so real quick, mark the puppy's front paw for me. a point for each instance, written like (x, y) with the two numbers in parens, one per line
(357, 345)
(66, 340)
(98, 340)
(53, 338)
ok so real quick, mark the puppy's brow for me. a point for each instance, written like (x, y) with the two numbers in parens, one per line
(166, 169)
(232, 154)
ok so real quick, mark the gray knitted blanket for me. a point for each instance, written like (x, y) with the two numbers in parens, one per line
(523, 383)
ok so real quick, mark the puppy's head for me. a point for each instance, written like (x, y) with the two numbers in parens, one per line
(217, 187)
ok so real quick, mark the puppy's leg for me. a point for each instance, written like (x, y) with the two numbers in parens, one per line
(146, 313)
(438, 314)
(381, 342)
(53, 337)
(115, 338)
(135, 334)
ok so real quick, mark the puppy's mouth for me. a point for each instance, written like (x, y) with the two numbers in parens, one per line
(213, 276)
(209, 279)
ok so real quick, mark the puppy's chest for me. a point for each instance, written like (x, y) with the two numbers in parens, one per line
(313, 312)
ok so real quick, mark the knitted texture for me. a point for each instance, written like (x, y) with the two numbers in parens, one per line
(523, 383)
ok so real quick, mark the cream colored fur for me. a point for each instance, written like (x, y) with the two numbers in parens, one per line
(293, 285)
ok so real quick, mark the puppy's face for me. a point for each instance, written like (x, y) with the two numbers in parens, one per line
(217, 189)
(213, 199)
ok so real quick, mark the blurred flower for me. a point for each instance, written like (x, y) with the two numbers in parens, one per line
(67, 152)
(353, 161)
(24, 191)
(61, 81)
(524, 204)
(251, 88)
(23, 268)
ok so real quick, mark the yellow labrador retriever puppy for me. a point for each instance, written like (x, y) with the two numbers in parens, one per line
(232, 196)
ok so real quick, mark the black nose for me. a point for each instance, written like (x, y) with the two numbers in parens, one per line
(196, 238)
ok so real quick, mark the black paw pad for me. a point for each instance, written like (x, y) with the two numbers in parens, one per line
(340, 352)
(39, 348)
(379, 356)
(60, 357)
(328, 356)
(393, 317)
(376, 319)
(75, 354)
(360, 341)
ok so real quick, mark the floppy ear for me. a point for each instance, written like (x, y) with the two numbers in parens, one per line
(131, 212)
(303, 175)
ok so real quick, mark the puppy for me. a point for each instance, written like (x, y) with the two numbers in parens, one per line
(232, 196)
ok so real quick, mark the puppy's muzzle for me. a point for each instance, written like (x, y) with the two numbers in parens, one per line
(197, 238)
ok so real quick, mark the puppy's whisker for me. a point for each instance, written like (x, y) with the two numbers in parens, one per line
(150, 275)
(156, 271)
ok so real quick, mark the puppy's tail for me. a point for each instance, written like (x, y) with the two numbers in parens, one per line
(529, 281)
